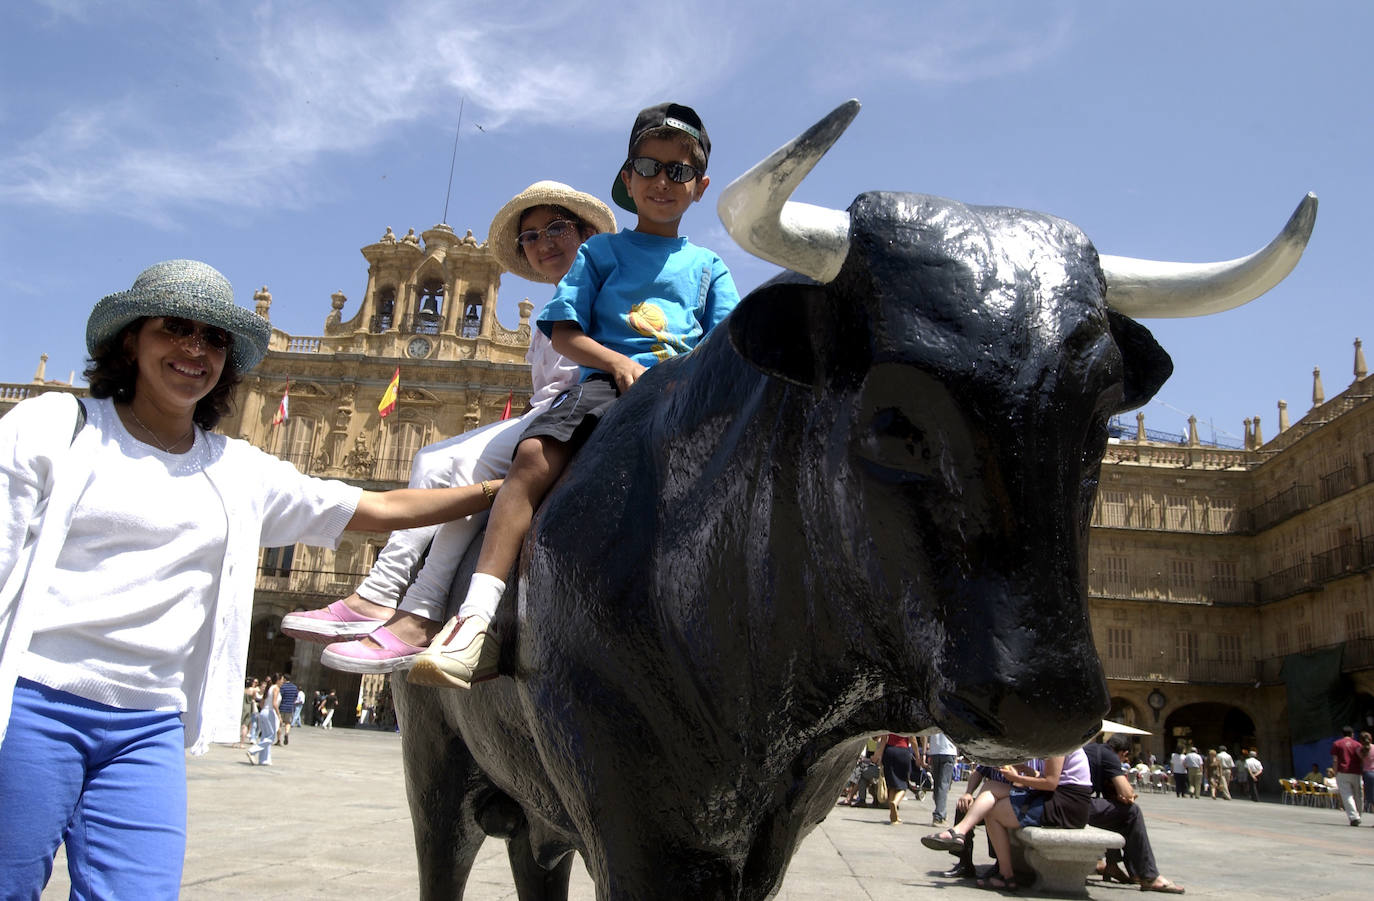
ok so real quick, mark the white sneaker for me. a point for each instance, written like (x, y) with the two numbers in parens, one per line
(462, 654)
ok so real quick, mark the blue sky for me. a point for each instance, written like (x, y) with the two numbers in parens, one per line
(273, 140)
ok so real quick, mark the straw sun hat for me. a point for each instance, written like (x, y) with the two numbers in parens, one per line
(190, 290)
(501, 236)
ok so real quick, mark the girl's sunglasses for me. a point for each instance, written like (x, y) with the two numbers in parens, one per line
(650, 167)
(186, 330)
(554, 230)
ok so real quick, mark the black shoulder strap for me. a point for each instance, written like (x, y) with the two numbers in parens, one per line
(80, 418)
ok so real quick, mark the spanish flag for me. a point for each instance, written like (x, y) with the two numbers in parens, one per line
(283, 408)
(505, 414)
(389, 395)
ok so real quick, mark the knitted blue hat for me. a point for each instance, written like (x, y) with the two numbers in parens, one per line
(188, 289)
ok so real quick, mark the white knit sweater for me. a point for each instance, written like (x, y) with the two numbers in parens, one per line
(44, 474)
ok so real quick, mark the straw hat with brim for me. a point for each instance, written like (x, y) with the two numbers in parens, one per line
(505, 227)
(190, 290)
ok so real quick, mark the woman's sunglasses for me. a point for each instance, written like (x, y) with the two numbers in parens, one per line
(554, 230)
(186, 330)
(650, 167)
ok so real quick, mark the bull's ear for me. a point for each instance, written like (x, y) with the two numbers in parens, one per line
(1148, 365)
(790, 328)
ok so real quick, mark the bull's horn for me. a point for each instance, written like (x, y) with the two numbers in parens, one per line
(1151, 289)
(755, 210)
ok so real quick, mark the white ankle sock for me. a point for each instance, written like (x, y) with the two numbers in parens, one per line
(484, 593)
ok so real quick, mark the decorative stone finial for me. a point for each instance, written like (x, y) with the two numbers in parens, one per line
(1283, 416)
(1140, 425)
(1361, 370)
(262, 302)
(42, 372)
(337, 300)
(1249, 435)
(1192, 431)
(1318, 392)
(1259, 436)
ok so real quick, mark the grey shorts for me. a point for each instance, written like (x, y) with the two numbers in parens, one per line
(574, 413)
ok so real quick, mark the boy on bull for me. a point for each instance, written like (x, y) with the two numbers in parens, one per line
(629, 301)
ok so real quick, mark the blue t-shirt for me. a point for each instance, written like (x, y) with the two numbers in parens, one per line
(645, 296)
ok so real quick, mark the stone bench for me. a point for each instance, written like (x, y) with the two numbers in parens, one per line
(1061, 858)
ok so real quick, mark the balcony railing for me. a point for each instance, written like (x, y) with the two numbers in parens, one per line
(1357, 655)
(1161, 587)
(1287, 582)
(1341, 560)
(392, 469)
(1337, 482)
(300, 461)
(1281, 506)
(306, 581)
(1229, 672)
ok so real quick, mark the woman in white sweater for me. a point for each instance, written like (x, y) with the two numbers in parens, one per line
(127, 561)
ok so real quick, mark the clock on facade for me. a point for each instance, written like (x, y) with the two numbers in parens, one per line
(418, 348)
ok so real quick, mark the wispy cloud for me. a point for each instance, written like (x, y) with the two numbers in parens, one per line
(259, 98)
(964, 42)
(314, 81)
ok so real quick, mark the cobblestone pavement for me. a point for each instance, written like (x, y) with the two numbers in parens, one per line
(329, 820)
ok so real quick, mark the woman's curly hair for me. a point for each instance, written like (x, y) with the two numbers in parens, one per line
(113, 372)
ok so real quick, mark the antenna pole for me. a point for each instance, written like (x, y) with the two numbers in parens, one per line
(453, 161)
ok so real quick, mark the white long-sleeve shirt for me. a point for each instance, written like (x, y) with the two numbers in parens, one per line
(257, 500)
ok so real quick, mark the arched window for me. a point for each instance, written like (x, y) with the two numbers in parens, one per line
(472, 315)
(276, 561)
(296, 442)
(431, 312)
(399, 446)
(386, 309)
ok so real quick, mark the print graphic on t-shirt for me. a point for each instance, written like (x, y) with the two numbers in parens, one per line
(648, 319)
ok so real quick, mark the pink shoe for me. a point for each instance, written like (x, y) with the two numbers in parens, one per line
(356, 657)
(336, 622)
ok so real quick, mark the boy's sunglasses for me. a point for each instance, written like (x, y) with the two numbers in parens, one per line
(650, 167)
(186, 330)
(554, 230)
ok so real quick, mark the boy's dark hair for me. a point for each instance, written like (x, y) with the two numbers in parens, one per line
(677, 136)
(1119, 743)
(111, 372)
(669, 121)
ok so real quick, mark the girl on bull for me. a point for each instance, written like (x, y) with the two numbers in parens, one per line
(395, 612)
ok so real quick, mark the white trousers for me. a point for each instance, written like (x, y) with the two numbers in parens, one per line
(1351, 787)
(465, 459)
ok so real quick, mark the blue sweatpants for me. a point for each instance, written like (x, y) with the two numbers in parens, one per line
(110, 783)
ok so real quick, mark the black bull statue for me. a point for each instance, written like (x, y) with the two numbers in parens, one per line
(861, 505)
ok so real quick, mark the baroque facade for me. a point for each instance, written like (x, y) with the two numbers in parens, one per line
(1208, 567)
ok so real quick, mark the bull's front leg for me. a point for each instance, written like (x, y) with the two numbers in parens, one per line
(440, 778)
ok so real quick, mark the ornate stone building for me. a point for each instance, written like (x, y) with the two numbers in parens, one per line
(1209, 567)
(1218, 578)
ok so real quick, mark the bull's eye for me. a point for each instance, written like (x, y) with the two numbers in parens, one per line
(897, 433)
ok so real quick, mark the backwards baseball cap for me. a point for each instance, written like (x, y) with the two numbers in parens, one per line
(669, 115)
